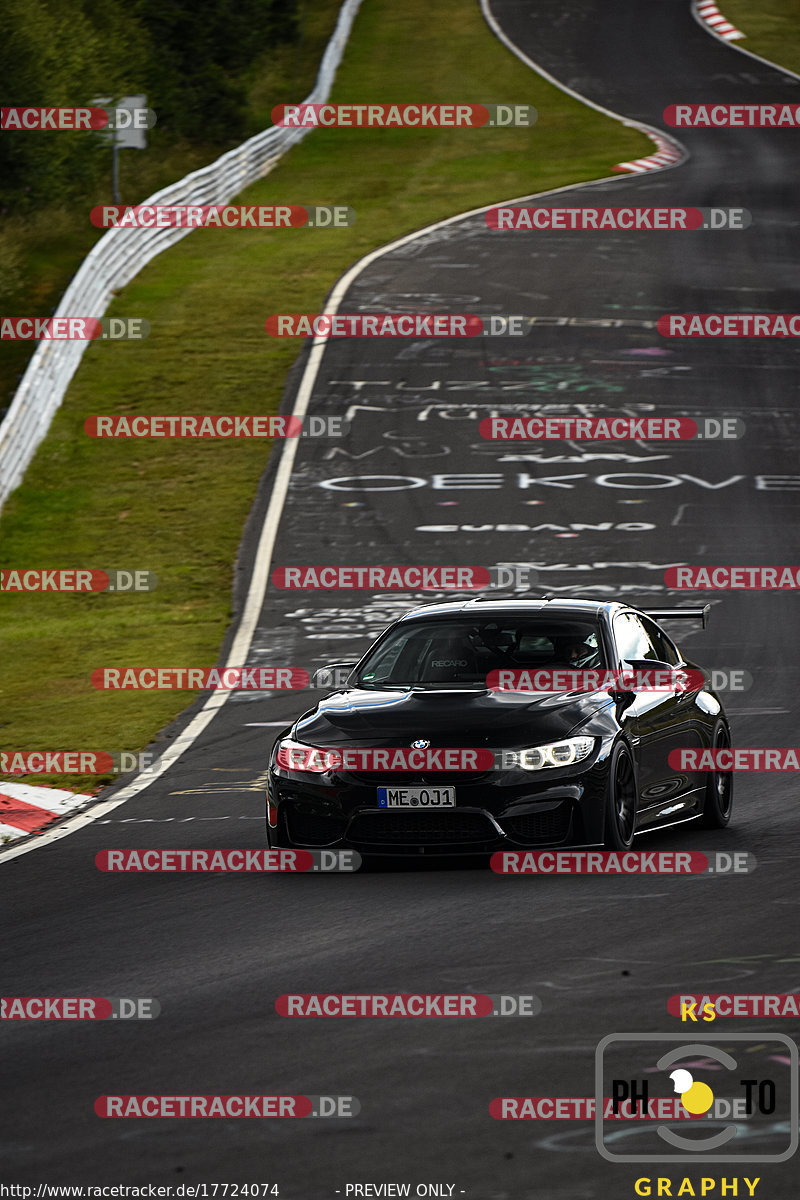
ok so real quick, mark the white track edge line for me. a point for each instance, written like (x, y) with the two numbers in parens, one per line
(629, 122)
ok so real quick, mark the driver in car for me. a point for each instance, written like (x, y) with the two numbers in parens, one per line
(576, 653)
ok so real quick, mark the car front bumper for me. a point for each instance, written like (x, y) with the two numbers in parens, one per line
(497, 810)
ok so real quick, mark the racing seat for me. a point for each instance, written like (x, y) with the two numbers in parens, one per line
(450, 661)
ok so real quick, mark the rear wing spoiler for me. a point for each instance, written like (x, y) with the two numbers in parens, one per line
(680, 614)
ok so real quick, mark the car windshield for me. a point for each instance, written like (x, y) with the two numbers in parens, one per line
(461, 652)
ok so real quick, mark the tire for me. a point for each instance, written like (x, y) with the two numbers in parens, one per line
(718, 804)
(621, 798)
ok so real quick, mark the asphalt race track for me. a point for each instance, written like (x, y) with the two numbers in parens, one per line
(415, 483)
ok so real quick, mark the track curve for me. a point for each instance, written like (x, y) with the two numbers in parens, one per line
(602, 954)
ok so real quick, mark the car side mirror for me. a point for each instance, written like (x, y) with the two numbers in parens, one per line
(625, 695)
(686, 679)
(677, 679)
(621, 696)
(332, 677)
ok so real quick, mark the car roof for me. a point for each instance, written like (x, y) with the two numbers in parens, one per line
(486, 606)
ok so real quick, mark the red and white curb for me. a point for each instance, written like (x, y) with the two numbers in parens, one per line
(25, 809)
(666, 153)
(708, 12)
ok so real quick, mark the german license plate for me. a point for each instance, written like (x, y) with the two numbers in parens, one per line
(419, 797)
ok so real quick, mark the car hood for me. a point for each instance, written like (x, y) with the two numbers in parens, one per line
(466, 719)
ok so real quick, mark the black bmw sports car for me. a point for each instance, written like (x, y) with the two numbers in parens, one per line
(421, 751)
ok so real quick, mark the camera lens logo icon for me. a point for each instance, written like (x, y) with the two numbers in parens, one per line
(696, 1098)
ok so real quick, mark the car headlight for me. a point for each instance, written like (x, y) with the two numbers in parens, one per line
(556, 754)
(295, 756)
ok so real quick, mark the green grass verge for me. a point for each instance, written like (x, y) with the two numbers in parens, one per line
(771, 28)
(178, 507)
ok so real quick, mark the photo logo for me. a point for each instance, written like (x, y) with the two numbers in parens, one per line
(749, 1096)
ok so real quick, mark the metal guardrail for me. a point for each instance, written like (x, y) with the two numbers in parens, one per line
(121, 253)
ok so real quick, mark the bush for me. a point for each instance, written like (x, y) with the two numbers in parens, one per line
(193, 63)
